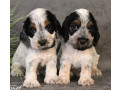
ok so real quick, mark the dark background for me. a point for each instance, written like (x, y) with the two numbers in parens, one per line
(101, 10)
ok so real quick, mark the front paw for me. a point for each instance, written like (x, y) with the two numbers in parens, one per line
(86, 81)
(96, 72)
(63, 80)
(31, 83)
(50, 80)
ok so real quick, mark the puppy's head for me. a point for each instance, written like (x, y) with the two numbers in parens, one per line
(80, 29)
(40, 29)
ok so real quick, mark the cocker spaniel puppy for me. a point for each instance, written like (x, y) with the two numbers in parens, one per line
(38, 46)
(80, 36)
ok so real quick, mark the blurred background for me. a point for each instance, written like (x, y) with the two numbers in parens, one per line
(101, 10)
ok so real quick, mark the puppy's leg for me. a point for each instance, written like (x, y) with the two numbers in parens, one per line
(64, 74)
(96, 71)
(31, 76)
(17, 69)
(85, 76)
(16, 65)
(18, 60)
(51, 72)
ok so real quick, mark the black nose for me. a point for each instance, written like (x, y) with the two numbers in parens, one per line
(82, 40)
(42, 42)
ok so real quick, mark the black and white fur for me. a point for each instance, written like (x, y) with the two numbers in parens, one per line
(79, 37)
(38, 45)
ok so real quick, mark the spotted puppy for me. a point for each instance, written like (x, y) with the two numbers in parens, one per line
(38, 45)
(80, 36)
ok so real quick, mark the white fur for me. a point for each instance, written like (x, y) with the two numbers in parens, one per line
(77, 57)
(37, 14)
(84, 13)
(30, 57)
(24, 57)
(86, 59)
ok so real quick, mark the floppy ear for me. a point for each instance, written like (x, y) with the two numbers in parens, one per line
(96, 38)
(58, 26)
(23, 35)
(96, 34)
(64, 31)
(55, 22)
(65, 26)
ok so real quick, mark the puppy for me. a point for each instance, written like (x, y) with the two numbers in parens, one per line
(38, 46)
(79, 37)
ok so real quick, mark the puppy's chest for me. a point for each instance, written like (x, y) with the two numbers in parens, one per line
(43, 56)
(77, 58)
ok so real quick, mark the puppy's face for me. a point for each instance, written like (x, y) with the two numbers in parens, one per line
(40, 27)
(80, 29)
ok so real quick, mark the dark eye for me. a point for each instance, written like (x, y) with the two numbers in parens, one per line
(91, 27)
(74, 27)
(48, 27)
(33, 30)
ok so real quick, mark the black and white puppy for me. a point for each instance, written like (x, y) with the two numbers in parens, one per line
(38, 45)
(80, 36)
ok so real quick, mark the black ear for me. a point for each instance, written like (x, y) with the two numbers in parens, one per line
(51, 17)
(64, 31)
(23, 35)
(96, 34)
(65, 26)
(26, 25)
(96, 38)
(58, 26)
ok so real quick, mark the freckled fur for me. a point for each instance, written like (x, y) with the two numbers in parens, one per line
(30, 54)
(72, 57)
